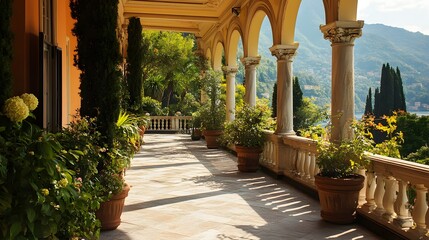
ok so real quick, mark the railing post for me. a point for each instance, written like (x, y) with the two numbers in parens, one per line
(420, 209)
(362, 192)
(403, 220)
(370, 191)
(379, 193)
(389, 198)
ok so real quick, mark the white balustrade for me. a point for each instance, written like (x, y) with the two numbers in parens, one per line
(169, 123)
(301, 160)
(389, 199)
(384, 198)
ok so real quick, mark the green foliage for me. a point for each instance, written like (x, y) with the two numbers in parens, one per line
(5, 50)
(98, 58)
(368, 104)
(212, 112)
(416, 132)
(392, 143)
(308, 115)
(134, 75)
(41, 197)
(188, 104)
(247, 127)
(342, 159)
(274, 101)
(297, 95)
(171, 68)
(152, 106)
(420, 156)
(391, 96)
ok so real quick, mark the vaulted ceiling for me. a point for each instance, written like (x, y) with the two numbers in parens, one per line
(193, 16)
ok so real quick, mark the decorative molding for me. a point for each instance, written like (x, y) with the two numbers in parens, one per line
(284, 52)
(229, 70)
(342, 32)
(251, 61)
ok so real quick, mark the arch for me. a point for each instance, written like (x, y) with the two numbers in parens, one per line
(288, 23)
(260, 10)
(347, 10)
(217, 57)
(234, 36)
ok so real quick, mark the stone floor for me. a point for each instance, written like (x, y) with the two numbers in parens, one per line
(182, 190)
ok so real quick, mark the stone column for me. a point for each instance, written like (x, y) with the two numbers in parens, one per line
(284, 54)
(250, 64)
(342, 35)
(230, 73)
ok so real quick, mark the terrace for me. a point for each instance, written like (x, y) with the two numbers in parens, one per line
(182, 190)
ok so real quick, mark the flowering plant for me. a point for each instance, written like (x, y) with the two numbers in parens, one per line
(18, 109)
(40, 197)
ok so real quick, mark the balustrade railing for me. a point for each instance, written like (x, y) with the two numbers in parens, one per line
(169, 123)
(395, 193)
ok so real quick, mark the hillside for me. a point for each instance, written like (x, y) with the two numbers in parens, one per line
(379, 44)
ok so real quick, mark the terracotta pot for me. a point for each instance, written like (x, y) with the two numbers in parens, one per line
(339, 197)
(196, 134)
(211, 137)
(110, 212)
(248, 158)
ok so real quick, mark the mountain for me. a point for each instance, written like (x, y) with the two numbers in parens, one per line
(379, 44)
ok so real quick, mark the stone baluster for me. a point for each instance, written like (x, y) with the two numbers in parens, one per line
(307, 165)
(312, 165)
(389, 198)
(362, 192)
(420, 209)
(403, 219)
(301, 163)
(379, 193)
(370, 190)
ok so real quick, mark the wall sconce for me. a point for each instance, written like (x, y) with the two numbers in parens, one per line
(236, 11)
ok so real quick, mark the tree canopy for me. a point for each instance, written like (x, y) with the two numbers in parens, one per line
(171, 67)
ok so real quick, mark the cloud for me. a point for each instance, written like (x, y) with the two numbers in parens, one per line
(411, 14)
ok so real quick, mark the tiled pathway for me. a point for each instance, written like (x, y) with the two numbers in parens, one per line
(182, 190)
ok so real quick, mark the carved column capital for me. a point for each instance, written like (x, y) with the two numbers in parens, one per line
(251, 61)
(342, 31)
(229, 70)
(284, 52)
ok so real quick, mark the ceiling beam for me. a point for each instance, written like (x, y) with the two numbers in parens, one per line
(172, 17)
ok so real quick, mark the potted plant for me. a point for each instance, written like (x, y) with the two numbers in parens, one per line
(196, 126)
(337, 183)
(213, 112)
(246, 133)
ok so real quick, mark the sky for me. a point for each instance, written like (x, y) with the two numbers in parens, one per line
(412, 15)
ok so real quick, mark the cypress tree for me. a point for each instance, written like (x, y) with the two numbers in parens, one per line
(386, 91)
(134, 63)
(5, 50)
(98, 58)
(297, 95)
(368, 103)
(377, 103)
(399, 92)
(274, 101)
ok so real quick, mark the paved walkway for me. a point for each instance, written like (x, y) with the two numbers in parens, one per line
(182, 190)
